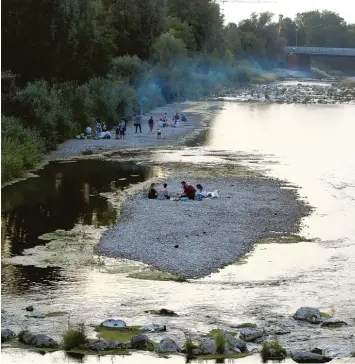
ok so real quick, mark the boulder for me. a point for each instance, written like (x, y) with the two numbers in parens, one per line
(197, 351)
(248, 334)
(153, 327)
(141, 342)
(7, 334)
(37, 340)
(235, 343)
(101, 345)
(208, 345)
(317, 351)
(167, 345)
(308, 357)
(166, 312)
(113, 323)
(333, 322)
(309, 314)
(29, 308)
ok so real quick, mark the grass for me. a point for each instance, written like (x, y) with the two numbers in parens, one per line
(56, 314)
(118, 334)
(104, 352)
(272, 350)
(223, 356)
(189, 346)
(325, 316)
(75, 338)
(155, 275)
(221, 342)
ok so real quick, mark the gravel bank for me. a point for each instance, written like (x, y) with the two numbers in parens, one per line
(195, 112)
(210, 233)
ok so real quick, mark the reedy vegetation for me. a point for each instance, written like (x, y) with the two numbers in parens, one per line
(75, 60)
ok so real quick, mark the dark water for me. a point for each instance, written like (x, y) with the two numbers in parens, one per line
(65, 194)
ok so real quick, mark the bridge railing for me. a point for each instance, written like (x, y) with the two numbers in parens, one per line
(320, 51)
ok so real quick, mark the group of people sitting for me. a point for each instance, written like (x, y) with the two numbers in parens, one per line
(189, 192)
(163, 122)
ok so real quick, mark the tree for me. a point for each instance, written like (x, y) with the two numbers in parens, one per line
(167, 49)
(57, 40)
(181, 30)
(232, 39)
(137, 23)
(203, 16)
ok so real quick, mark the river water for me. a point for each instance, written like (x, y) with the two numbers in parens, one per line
(311, 146)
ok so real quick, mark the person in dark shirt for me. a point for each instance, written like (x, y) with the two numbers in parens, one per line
(152, 194)
(189, 191)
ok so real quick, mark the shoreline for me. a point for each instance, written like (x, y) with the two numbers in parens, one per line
(180, 237)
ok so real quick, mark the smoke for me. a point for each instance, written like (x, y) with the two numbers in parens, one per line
(199, 77)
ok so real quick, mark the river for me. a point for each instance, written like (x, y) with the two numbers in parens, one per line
(311, 146)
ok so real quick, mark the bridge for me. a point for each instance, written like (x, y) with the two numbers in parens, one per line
(300, 57)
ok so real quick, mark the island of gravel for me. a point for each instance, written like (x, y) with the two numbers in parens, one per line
(195, 238)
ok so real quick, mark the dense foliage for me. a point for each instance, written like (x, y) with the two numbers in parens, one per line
(76, 60)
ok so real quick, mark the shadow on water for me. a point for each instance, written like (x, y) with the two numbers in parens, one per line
(65, 194)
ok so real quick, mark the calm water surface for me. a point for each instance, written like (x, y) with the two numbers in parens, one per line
(309, 145)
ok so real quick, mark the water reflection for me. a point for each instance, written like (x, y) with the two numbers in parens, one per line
(65, 194)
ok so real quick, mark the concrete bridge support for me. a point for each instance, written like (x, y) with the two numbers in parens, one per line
(301, 62)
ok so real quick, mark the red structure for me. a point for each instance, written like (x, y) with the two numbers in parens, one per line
(300, 62)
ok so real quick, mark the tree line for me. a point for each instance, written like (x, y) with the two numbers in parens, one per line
(75, 60)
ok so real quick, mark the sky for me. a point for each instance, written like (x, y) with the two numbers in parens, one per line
(236, 10)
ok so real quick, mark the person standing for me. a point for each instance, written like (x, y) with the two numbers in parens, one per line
(122, 129)
(151, 125)
(138, 123)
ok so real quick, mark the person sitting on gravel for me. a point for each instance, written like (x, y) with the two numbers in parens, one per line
(152, 194)
(200, 192)
(189, 191)
(164, 194)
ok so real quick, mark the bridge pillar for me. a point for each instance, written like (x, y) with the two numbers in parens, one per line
(300, 62)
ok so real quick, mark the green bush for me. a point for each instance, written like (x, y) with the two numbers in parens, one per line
(112, 99)
(272, 350)
(130, 68)
(75, 338)
(21, 148)
(46, 109)
(221, 342)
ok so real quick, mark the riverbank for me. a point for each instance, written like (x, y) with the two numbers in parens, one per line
(195, 238)
(196, 116)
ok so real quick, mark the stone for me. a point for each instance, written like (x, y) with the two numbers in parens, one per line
(197, 351)
(36, 315)
(101, 345)
(308, 357)
(208, 345)
(167, 345)
(317, 351)
(246, 324)
(248, 334)
(141, 342)
(7, 334)
(333, 322)
(166, 312)
(37, 340)
(308, 314)
(29, 308)
(113, 323)
(235, 343)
